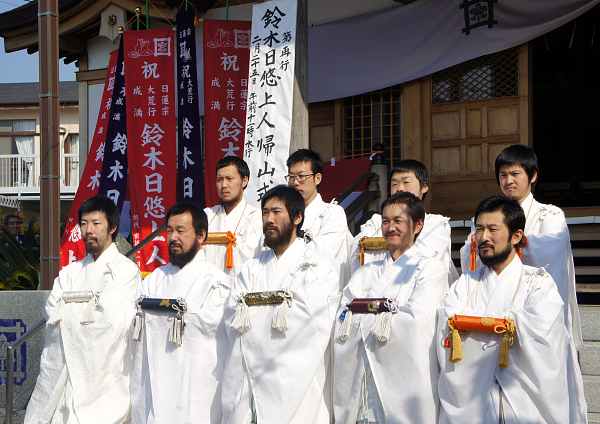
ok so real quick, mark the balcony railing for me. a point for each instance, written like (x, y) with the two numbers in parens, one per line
(19, 174)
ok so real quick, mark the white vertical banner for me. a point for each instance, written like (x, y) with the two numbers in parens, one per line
(270, 95)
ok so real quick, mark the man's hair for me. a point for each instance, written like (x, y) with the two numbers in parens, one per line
(306, 155)
(414, 166)
(517, 154)
(105, 205)
(291, 198)
(240, 164)
(514, 217)
(199, 219)
(414, 206)
(10, 216)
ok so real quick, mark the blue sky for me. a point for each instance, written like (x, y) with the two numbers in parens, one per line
(22, 67)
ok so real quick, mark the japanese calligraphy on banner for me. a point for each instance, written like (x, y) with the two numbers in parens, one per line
(72, 247)
(270, 88)
(113, 181)
(190, 181)
(226, 55)
(150, 84)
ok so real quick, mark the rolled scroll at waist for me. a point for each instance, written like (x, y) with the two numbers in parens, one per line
(372, 305)
(77, 296)
(165, 305)
(485, 324)
(265, 298)
(220, 238)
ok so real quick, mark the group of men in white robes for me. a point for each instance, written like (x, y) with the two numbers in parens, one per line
(245, 324)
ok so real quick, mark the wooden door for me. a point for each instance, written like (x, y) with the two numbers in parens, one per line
(470, 112)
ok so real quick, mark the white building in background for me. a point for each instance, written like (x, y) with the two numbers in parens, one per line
(20, 143)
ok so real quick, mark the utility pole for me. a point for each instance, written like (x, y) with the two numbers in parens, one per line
(299, 139)
(50, 143)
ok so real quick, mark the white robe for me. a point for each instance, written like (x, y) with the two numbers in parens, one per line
(535, 382)
(434, 241)
(328, 227)
(405, 368)
(246, 222)
(282, 372)
(85, 369)
(549, 246)
(181, 384)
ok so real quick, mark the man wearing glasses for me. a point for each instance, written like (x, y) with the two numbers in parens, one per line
(324, 223)
(13, 223)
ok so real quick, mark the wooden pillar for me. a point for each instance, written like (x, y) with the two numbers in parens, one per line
(411, 120)
(50, 143)
(299, 138)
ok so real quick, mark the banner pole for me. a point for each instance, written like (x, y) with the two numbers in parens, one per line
(147, 14)
(227, 10)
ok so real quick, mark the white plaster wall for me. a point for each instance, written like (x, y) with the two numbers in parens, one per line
(99, 49)
(94, 99)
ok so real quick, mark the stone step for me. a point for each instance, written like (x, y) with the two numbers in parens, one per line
(591, 387)
(589, 358)
(590, 322)
(593, 418)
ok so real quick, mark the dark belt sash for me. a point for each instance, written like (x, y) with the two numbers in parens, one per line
(371, 305)
(164, 305)
(177, 306)
(383, 306)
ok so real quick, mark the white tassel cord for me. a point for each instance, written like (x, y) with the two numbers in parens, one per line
(280, 318)
(137, 327)
(382, 329)
(241, 322)
(344, 332)
(176, 328)
(88, 314)
(57, 313)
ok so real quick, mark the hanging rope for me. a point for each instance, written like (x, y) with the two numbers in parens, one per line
(210, 10)
(244, 6)
(355, 155)
(160, 13)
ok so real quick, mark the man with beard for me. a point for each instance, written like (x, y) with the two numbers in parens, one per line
(279, 318)
(234, 226)
(547, 244)
(182, 344)
(388, 318)
(502, 343)
(409, 176)
(86, 361)
(324, 223)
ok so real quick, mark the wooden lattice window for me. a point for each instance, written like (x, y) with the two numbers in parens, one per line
(487, 77)
(372, 118)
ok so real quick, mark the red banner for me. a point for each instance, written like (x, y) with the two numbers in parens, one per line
(152, 155)
(72, 247)
(226, 63)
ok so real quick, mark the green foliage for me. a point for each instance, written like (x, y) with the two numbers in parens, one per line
(19, 266)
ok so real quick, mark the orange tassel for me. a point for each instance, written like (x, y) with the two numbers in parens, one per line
(473, 256)
(222, 238)
(523, 244)
(229, 260)
(231, 241)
